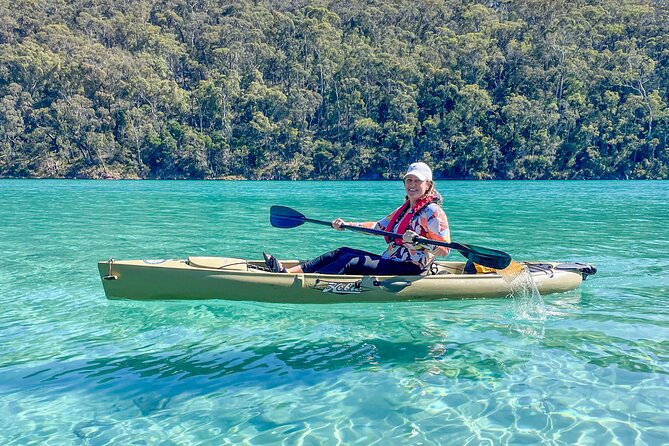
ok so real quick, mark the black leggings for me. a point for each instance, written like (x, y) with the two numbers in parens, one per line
(354, 261)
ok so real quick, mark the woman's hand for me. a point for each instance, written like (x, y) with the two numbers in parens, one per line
(337, 223)
(409, 236)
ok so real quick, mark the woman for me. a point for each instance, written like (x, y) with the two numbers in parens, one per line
(420, 215)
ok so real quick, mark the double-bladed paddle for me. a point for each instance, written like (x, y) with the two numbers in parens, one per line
(285, 217)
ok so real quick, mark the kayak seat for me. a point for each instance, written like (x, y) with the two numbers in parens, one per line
(439, 269)
(224, 263)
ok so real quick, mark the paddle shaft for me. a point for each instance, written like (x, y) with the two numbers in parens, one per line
(284, 217)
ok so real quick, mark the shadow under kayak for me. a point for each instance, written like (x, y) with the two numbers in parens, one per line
(238, 279)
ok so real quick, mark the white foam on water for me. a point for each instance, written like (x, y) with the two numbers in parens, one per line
(527, 302)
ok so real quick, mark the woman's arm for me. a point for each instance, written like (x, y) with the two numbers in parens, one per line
(381, 224)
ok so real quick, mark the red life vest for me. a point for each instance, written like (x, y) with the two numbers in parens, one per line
(408, 216)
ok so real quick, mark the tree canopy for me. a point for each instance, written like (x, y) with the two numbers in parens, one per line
(334, 89)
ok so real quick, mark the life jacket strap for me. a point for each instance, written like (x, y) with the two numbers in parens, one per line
(407, 215)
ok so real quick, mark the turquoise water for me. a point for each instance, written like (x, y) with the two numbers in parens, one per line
(76, 368)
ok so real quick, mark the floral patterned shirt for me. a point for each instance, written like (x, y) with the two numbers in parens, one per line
(430, 222)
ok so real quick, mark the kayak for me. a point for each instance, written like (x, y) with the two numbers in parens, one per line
(197, 278)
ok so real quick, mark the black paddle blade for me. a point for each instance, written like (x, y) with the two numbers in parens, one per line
(491, 258)
(283, 217)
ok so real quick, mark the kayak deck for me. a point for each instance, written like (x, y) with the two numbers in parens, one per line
(199, 278)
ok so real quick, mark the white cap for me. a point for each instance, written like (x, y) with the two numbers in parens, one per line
(420, 170)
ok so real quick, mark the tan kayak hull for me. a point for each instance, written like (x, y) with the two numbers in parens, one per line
(235, 279)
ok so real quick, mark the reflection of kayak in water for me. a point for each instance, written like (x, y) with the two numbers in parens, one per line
(239, 279)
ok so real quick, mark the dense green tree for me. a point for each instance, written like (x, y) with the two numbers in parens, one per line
(334, 89)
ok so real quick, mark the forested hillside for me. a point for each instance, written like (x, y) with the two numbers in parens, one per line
(530, 89)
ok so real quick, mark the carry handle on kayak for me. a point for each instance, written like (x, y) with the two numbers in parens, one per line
(285, 217)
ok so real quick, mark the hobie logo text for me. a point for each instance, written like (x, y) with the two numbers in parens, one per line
(342, 287)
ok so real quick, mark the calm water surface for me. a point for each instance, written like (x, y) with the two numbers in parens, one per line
(76, 368)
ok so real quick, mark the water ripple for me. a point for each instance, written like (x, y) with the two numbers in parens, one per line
(78, 369)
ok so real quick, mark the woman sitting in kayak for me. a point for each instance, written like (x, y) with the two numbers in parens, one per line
(420, 215)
